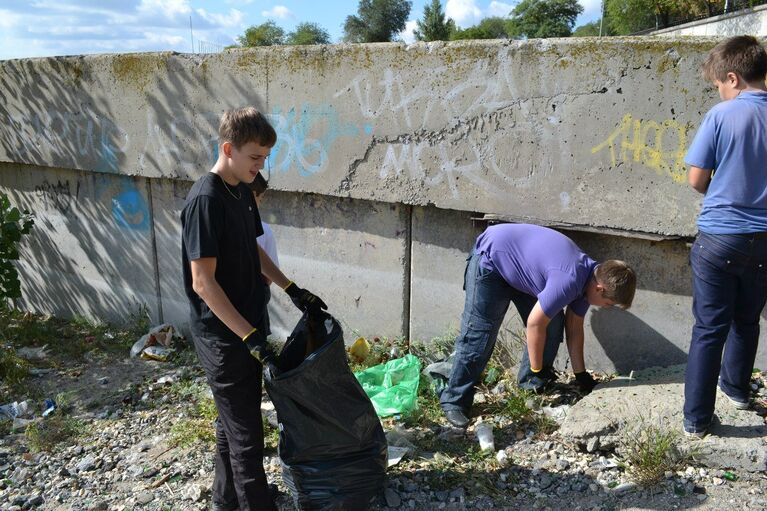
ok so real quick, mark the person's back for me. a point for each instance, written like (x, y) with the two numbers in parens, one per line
(729, 256)
(736, 146)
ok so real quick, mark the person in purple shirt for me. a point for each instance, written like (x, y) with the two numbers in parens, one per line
(727, 161)
(542, 272)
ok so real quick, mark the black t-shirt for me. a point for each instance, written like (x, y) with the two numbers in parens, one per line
(223, 223)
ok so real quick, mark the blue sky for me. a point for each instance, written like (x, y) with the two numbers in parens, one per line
(41, 28)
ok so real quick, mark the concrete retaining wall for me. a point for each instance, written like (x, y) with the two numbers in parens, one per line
(385, 153)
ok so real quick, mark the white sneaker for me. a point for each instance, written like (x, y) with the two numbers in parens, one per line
(737, 403)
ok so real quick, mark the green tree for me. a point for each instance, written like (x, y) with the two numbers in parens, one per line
(489, 28)
(592, 29)
(308, 33)
(631, 16)
(377, 21)
(13, 225)
(265, 34)
(434, 26)
(544, 18)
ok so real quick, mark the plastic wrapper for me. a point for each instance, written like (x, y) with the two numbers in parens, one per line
(332, 445)
(393, 386)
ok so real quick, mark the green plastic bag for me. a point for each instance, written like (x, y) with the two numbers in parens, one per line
(393, 386)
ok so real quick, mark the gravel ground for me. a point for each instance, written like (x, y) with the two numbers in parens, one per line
(125, 460)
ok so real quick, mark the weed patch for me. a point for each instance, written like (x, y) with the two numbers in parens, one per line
(46, 434)
(648, 450)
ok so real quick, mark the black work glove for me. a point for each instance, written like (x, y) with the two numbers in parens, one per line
(258, 348)
(585, 382)
(304, 300)
(548, 374)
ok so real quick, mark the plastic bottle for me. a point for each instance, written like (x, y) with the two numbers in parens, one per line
(484, 432)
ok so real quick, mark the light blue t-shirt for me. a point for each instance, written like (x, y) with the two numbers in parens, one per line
(540, 262)
(732, 140)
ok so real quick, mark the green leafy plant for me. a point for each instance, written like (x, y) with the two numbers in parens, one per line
(14, 224)
(649, 449)
(44, 435)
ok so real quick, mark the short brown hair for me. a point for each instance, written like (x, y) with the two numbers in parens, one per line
(619, 281)
(243, 125)
(259, 185)
(742, 55)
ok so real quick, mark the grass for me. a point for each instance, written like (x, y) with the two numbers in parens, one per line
(198, 426)
(648, 450)
(70, 339)
(46, 434)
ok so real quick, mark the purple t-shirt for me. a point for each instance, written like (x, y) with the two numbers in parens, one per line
(540, 262)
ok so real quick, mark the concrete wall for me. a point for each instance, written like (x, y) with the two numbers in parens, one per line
(385, 154)
(747, 21)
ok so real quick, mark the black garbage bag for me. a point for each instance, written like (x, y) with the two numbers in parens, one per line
(332, 445)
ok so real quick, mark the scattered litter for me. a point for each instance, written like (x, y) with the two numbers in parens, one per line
(33, 353)
(37, 371)
(160, 337)
(399, 437)
(730, 476)
(16, 409)
(103, 380)
(558, 413)
(393, 386)
(395, 454)
(360, 349)
(156, 353)
(502, 458)
(395, 353)
(603, 463)
(166, 380)
(439, 373)
(49, 406)
(484, 432)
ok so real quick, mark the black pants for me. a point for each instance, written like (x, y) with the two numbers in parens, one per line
(234, 377)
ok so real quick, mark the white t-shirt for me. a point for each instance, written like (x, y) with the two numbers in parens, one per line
(266, 241)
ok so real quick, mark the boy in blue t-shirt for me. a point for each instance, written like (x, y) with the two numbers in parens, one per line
(727, 161)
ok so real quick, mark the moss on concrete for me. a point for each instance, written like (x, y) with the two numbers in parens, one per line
(139, 69)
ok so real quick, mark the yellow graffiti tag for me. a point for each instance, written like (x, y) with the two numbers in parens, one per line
(660, 146)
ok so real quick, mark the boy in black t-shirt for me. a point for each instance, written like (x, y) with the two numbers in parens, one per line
(223, 267)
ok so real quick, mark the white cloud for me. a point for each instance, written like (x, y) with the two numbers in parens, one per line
(407, 35)
(465, 13)
(279, 12)
(233, 18)
(165, 8)
(499, 9)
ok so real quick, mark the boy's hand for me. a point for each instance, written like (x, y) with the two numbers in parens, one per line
(304, 300)
(585, 381)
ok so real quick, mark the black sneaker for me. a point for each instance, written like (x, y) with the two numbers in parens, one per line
(226, 506)
(457, 418)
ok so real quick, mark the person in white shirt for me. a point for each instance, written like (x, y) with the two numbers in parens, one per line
(266, 241)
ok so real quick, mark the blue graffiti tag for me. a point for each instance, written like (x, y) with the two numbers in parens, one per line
(130, 210)
(295, 148)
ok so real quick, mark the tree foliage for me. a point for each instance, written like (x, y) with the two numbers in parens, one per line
(544, 18)
(265, 34)
(377, 21)
(308, 33)
(489, 28)
(592, 29)
(434, 26)
(632, 16)
(13, 225)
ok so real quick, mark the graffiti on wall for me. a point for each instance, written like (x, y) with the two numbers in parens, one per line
(305, 135)
(660, 146)
(57, 195)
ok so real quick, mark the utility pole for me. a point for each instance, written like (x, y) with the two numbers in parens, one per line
(191, 34)
(602, 18)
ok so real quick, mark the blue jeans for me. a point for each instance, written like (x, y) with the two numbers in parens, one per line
(729, 290)
(487, 300)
